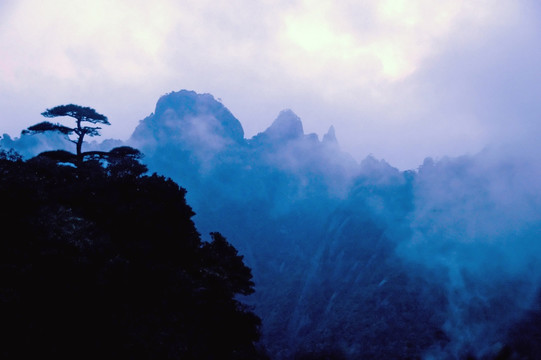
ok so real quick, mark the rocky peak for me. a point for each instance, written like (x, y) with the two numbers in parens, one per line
(286, 126)
(190, 113)
(330, 136)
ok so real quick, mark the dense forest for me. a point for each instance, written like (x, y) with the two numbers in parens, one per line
(350, 260)
(99, 260)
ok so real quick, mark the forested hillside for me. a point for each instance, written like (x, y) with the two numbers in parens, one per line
(99, 260)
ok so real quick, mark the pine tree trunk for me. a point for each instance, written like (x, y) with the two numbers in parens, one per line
(81, 135)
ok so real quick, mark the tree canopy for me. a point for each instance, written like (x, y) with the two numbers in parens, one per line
(81, 113)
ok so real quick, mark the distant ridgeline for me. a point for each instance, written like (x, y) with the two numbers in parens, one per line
(356, 260)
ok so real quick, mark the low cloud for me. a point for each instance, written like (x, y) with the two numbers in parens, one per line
(476, 228)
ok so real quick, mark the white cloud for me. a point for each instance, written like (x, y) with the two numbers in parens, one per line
(78, 40)
(398, 37)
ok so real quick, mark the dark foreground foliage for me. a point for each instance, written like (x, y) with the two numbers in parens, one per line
(99, 261)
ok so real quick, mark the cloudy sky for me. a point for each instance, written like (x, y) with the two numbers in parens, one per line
(399, 79)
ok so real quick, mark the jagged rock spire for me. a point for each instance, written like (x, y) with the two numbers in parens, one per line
(330, 136)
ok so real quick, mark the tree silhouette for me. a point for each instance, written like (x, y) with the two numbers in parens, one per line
(81, 114)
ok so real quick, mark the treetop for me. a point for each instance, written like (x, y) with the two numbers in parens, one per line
(78, 112)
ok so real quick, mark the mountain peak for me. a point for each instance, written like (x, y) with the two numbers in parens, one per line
(189, 114)
(330, 136)
(286, 126)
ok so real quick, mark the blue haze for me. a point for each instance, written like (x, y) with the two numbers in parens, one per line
(357, 259)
